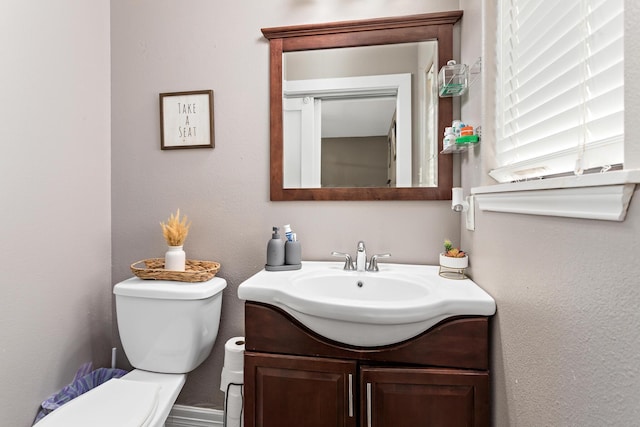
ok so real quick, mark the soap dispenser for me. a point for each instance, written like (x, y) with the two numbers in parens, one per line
(275, 250)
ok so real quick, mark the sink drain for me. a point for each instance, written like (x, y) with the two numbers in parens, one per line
(360, 283)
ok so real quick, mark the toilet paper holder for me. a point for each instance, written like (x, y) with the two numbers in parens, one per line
(233, 375)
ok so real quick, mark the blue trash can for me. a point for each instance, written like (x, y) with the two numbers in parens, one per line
(84, 380)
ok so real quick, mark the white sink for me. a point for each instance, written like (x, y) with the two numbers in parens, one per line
(367, 309)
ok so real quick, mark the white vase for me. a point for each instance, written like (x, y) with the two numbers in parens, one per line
(175, 259)
(451, 262)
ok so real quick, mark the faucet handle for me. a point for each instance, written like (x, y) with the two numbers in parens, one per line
(348, 264)
(373, 264)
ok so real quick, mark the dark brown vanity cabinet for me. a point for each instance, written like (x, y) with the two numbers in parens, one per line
(397, 397)
(301, 391)
(295, 378)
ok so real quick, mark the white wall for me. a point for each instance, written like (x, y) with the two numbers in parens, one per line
(166, 46)
(566, 347)
(55, 198)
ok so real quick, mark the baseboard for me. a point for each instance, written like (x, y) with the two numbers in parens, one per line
(192, 416)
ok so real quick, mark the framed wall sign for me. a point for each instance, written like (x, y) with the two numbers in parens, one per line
(186, 120)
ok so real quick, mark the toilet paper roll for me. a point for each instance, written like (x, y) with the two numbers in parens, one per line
(234, 354)
(233, 369)
(230, 377)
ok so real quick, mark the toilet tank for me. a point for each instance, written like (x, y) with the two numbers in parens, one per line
(167, 326)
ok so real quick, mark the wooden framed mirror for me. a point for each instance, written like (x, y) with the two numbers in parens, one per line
(406, 32)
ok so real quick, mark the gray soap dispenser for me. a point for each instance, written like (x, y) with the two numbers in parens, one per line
(275, 250)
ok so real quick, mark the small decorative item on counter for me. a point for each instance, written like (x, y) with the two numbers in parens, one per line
(283, 255)
(452, 252)
(175, 232)
(453, 262)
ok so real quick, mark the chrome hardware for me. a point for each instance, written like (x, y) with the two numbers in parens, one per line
(368, 404)
(360, 263)
(373, 264)
(351, 395)
(348, 264)
(361, 257)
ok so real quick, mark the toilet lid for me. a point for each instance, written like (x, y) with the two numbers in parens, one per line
(117, 402)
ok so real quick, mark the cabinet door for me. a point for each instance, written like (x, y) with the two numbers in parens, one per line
(395, 397)
(289, 391)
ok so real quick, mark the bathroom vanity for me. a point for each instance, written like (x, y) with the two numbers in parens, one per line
(294, 377)
(394, 348)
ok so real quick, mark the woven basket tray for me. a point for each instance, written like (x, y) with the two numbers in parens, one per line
(195, 271)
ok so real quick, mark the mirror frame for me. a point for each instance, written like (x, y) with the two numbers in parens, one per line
(393, 30)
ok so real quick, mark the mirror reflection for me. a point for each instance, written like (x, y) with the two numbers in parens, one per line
(361, 116)
(421, 171)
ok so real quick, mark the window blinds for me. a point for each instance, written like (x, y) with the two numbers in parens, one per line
(560, 105)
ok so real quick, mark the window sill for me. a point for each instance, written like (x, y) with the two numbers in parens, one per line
(603, 196)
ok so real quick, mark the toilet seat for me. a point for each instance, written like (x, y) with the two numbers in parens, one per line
(117, 402)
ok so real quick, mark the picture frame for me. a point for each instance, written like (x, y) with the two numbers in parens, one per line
(186, 120)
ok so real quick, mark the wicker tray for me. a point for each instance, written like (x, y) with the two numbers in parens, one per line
(195, 271)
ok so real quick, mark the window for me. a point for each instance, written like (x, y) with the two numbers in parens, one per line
(560, 106)
(560, 111)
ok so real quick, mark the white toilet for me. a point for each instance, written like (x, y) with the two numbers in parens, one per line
(167, 329)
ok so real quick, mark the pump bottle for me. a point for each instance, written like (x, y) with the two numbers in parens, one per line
(275, 250)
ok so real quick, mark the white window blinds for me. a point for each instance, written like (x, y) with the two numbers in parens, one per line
(560, 105)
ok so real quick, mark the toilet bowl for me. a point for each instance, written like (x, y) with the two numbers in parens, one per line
(167, 329)
(140, 398)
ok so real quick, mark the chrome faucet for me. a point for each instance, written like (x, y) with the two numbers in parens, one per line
(361, 257)
(348, 264)
(373, 264)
